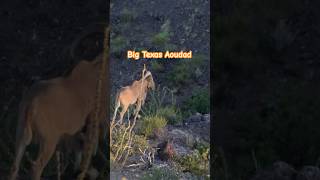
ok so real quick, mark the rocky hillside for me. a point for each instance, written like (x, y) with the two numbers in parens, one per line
(181, 99)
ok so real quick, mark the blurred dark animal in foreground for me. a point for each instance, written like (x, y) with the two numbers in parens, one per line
(53, 108)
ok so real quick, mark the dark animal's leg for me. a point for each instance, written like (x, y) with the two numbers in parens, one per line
(21, 144)
(78, 158)
(47, 148)
(58, 165)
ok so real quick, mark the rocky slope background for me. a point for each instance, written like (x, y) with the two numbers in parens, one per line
(175, 122)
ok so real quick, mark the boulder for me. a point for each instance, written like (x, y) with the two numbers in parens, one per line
(279, 171)
(206, 117)
(183, 137)
(283, 171)
(309, 173)
(194, 118)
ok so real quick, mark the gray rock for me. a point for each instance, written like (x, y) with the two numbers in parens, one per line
(183, 137)
(206, 117)
(283, 171)
(278, 171)
(194, 118)
(309, 173)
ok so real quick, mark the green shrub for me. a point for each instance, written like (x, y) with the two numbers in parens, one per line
(120, 142)
(197, 60)
(139, 142)
(187, 70)
(161, 38)
(160, 97)
(156, 66)
(160, 174)
(198, 102)
(161, 105)
(170, 113)
(196, 163)
(180, 75)
(202, 147)
(150, 123)
(119, 138)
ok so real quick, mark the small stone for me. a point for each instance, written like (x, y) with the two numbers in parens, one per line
(195, 118)
(190, 140)
(206, 117)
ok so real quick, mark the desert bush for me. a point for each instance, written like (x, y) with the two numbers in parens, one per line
(198, 102)
(151, 123)
(139, 142)
(171, 114)
(187, 70)
(162, 38)
(156, 66)
(160, 174)
(202, 147)
(118, 145)
(197, 162)
(162, 103)
(124, 142)
(180, 75)
(197, 60)
(159, 98)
